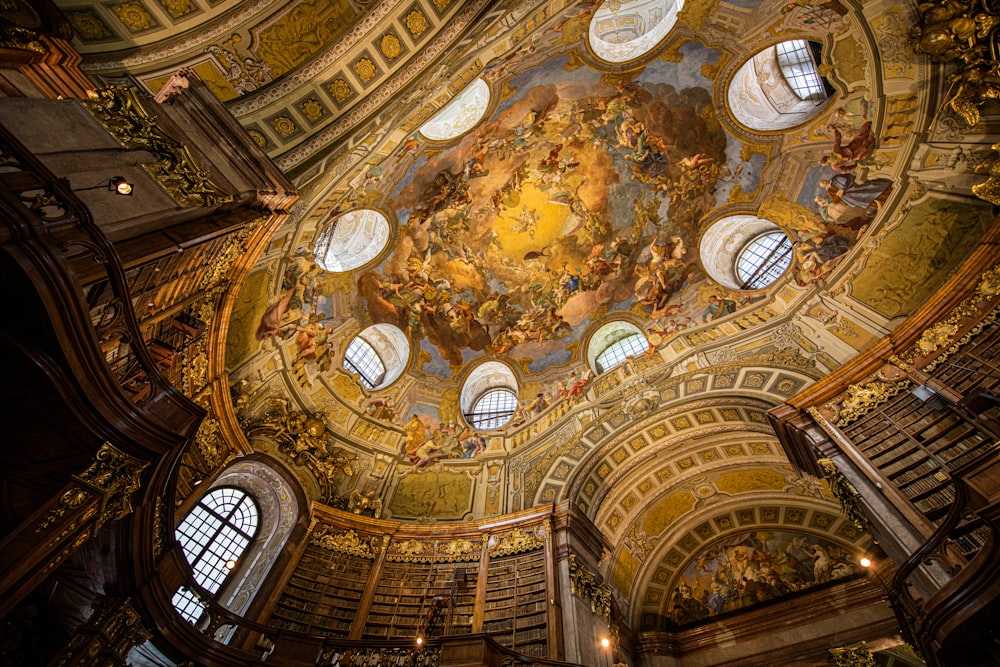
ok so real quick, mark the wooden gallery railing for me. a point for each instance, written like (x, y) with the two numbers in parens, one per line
(908, 434)
(135, 423)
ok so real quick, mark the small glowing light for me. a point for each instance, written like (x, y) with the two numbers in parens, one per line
(420, 641)
(120, 186)
(605, 643)
(865, 561)
(231, 564)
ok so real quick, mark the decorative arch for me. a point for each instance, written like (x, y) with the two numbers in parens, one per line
(621, 31)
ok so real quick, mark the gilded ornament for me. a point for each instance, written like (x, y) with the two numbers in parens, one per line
(389, 46)
(935, 337)
(365, 69)
(855, 655)
(516, 542)
(347, 543)
(135, 17)
(410, 548)
(117, 476)
(284, 126)
(312, 109)
(340, 90)
(88, 26)
(122, 114)
(845, 492)
(989, 283)
(863, 398)
(178, 8)
(362, 502)
(458, 547)
(111, 632)
(258, 138)
(441, 4)
(416, 22)
(989, 190)
(584, 584)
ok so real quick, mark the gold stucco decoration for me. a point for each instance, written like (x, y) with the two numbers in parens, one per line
(389, 46)
(284, 126)
(585, 585)
(863, 398)
(88, 26)
(340, 90)
(312, 109)
(258, 138)
(416, 22)
(989, 190)
(178, 8)
(845, 492)
(855, 655)
(122, 114)
(989, 284)
(937, 336)
(365, 69)
(135, 17)
(346, 543)
(517, 541)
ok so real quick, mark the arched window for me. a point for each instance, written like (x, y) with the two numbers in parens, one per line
(493, 409)
(361, 358)
(798, 66)
(214, 536)
(352, 240)
(489, 396)
(460, 115)
(378, 355)
(621, 350)
(623, 30)
(744, 252)
(779, 87)
(763, 260)
(613, 343)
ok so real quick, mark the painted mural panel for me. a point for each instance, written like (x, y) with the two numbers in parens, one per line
(432, 494)
(748, 569)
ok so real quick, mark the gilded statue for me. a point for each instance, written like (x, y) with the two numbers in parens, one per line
(361, 502)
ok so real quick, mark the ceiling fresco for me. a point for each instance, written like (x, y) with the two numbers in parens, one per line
(591, 193)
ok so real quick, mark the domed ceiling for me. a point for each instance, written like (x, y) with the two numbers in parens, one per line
(590, 190)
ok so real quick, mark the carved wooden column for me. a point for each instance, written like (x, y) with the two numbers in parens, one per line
(101, 493)
(106, 638)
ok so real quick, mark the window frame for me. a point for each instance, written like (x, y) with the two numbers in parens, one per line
(359, 366)
(766, 267)
(798, 66)
(617, 350)
(484, 420)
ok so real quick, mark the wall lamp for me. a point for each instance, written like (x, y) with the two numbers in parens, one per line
(116, 184)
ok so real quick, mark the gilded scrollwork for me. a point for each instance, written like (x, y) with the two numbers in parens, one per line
(122, 114)
(306, 441)
(347, 542)
(362, 502)
(845, 492)
(585, 585)
(855, 655)
(515, 542)
(117, 476)
(862, 398)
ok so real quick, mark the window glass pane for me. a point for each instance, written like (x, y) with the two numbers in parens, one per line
(360, 358)
(188, 605)
(799, 69)
(763, 260)
(493, 409)
(620, 350)
(218, 529)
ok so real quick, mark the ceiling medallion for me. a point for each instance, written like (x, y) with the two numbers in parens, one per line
(365, 69)
(134, 16)
(284, 126)
(416, 22)
(340, 90)
(312, 109)
(389, 46)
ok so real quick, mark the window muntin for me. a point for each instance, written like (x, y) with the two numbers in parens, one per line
(795, 58)
(217, 530)
(362, 359)
(763, 260)
(188, 605)
(620, 350)
(493, 409)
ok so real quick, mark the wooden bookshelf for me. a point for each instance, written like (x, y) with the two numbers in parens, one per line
(323, 593)
(917, 444)
(409, 594)
(516, 608)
